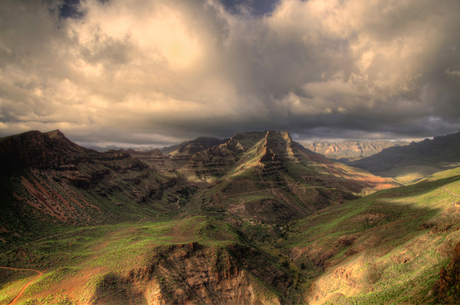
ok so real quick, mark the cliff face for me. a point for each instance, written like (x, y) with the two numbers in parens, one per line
(198, 274)
(349, 150)
(197, 260)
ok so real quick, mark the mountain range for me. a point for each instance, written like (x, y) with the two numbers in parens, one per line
(415, 161)
(254, 219)
(349, 150)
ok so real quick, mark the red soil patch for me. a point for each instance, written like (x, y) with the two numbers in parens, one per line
(39, 196)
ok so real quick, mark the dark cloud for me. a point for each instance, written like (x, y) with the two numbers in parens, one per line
(254, 7)
(157, 72)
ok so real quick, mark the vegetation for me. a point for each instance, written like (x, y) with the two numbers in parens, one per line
(276, 225)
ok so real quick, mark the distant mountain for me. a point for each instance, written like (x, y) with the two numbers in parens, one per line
(265, 176)
(349, 150)
(47, 182)
(155, 159)
(414, 161)
(181, 153)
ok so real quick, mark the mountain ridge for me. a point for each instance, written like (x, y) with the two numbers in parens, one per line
(415, 160)
(349, 150)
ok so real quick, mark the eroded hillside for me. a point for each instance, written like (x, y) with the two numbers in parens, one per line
(49, 183)
(267, 177)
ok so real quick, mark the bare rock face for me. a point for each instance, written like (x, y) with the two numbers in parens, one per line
(194, 273)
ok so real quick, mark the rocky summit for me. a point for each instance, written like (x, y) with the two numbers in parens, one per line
(254, 219)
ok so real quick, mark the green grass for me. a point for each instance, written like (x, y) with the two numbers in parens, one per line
(400, 237)
(112, 252)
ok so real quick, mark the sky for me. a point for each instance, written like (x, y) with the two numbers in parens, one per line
(158, 72)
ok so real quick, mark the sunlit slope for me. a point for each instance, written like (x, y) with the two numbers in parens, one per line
(381, 249)
(265, 176)
(193, 261)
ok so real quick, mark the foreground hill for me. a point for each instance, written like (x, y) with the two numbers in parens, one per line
(349, 150)
(48, 183)
(386, 248)
(194, 261)
(265, 176)
(413, 162)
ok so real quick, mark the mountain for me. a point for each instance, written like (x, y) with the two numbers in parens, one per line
(415, 161)
(181, 153)
(155, 159)
(349, 150)
(258, 219)
(49, 183)
(266, 177)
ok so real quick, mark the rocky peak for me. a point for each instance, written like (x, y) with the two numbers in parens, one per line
(32, 148)
(156, 151)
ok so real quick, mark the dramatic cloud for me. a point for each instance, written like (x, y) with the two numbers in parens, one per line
(157, 72)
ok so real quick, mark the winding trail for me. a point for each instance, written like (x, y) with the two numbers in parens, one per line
(40, 273)
(453, 194)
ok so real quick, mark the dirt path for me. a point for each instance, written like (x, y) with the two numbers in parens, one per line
(453, 194)
(40, 273)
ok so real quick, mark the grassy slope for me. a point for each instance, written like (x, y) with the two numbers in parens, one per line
(384, 248)
(97, 264)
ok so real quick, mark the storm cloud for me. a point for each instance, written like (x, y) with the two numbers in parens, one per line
(155, 72)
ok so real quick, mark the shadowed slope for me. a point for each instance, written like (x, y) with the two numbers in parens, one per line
(415, 161)
(49, 183)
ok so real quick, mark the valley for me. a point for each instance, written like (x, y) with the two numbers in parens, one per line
(254, 219)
